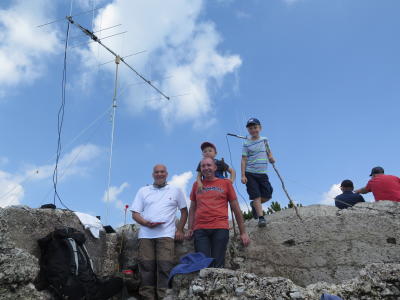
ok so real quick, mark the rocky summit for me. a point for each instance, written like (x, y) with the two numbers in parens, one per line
(352, 253)
(376, 281)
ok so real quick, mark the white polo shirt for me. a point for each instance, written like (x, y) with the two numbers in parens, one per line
(158, 205)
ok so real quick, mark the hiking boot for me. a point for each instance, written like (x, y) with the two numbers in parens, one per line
(253, 210)
(262, 222)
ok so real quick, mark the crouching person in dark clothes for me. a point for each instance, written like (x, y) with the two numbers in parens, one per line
(154, 208)
(348, 198)
(208, 214)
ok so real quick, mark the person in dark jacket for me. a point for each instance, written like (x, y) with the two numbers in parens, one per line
(348, 198)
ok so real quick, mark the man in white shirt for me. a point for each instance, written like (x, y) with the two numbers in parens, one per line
(154, 208)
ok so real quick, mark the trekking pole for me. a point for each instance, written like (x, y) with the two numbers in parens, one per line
(233, 221)
(291, 201)
(233, 217)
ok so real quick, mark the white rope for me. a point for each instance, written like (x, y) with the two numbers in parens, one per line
(114, 106)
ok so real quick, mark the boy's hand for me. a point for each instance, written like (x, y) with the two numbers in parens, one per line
(244, 179)
(272, 160)
(199, 186)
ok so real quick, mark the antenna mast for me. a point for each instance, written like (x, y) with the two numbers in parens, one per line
(118, 60)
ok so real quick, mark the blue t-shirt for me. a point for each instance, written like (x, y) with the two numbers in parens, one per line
(348, 199)
(256, 154)
(222, 168)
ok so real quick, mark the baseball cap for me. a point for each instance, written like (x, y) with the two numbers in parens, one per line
(347, 183)
(377, 170)
(208, 144)
(253, 121)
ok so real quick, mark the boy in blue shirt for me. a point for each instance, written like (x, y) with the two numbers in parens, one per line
(254, 169)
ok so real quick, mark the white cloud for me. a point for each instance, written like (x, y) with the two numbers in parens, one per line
(178, 45)
(11, 191)
(72, 163)
(112, 195)
(329, 196)
(23, 46)
(88, 4)
(181, 181)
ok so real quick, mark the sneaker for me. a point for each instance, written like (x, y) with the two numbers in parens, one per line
(262, 222)
(253, 211)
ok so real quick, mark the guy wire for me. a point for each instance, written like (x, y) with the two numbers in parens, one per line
(95, 130)
(60, 122)
(231, 161)
(36, 171)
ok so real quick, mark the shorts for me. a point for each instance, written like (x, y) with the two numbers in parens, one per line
(258, 185)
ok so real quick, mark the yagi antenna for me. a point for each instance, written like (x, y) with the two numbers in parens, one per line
(58, 20)
(104, 29)
(110, 61)
(174, 96)
(96, 39)
(103, 38)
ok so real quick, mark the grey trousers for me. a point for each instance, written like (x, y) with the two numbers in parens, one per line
(156, 258)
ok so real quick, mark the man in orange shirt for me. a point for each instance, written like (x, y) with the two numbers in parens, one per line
(208, 214)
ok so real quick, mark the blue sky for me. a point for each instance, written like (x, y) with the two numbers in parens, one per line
(322, 76)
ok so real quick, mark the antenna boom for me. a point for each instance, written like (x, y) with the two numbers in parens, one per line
(96, 39)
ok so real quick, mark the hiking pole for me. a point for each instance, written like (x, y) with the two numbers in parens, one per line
(238, 136)
(233, 221)
(268, 149)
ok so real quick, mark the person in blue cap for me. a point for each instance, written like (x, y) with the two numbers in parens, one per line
(254, 169)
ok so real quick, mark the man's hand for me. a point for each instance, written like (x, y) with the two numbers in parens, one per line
(152, 224)
(189, 234)
(245, 239)
(179, 235)
(271, 160)
(244, 179)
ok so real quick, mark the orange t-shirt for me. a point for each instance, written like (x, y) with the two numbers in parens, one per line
(212, 204)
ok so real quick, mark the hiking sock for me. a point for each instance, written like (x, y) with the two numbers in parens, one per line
(253, 210)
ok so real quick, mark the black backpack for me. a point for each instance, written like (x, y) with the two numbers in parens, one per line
(67, 270)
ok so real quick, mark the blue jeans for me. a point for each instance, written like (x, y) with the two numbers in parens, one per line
(212, 243)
